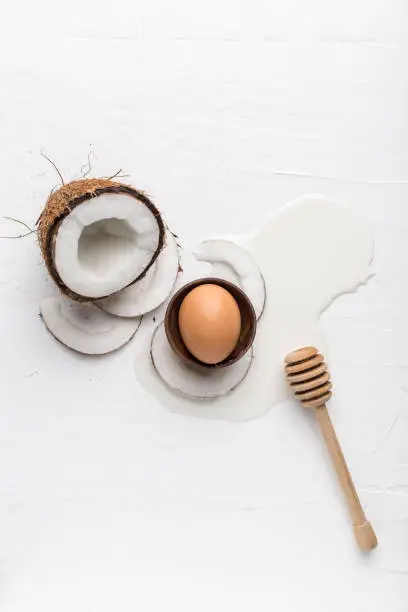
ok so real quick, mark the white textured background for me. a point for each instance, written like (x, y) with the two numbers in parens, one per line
(223, 111)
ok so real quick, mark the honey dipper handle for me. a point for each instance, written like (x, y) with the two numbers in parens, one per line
(363, 531)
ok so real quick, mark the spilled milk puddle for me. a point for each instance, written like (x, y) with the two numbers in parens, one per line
(310, 252)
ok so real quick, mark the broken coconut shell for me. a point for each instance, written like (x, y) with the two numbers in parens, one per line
(193, 380)
(84, 328)
(67, 199)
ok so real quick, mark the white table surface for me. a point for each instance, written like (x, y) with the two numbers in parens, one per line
(222, 111)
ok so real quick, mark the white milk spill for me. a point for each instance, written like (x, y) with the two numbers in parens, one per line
(309, 253)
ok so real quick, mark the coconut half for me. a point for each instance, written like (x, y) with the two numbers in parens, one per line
(98, 236)
(232, 262)
(152, 290)
(195, 381)
(84, 328)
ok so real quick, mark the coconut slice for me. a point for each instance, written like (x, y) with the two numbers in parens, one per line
(152, 290)
(232, 262)
(194, 381)
(98, 236)
(84, 328)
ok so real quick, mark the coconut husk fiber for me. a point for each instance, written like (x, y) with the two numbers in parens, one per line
(60, 204)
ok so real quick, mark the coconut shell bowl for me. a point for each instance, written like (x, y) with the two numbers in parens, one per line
(248, 323)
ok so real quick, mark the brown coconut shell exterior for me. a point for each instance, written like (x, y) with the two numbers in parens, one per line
(61, 203)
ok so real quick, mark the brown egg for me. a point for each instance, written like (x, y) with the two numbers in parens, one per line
(210, 323)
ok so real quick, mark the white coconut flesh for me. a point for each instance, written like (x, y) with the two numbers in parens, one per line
(84, 328)
(232, 262)
(195, 381)
(151, 290)
(105, 243)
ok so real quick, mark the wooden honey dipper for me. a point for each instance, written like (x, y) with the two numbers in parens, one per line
(307, 375)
